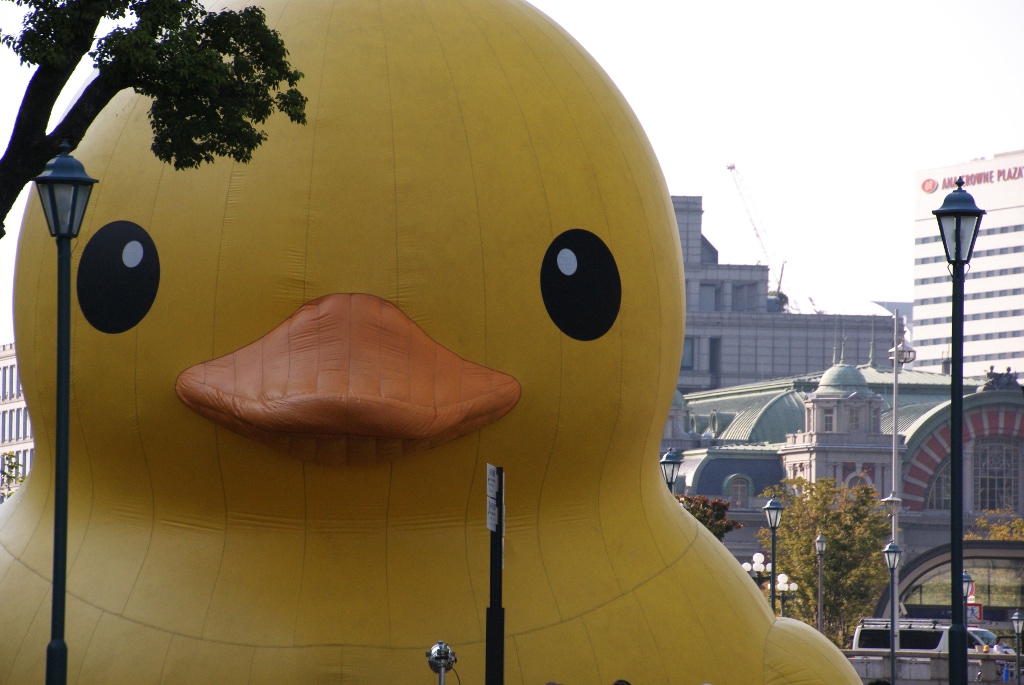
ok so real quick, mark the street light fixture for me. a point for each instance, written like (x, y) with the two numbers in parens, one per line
(64, 190)
(785, 586)
(773, 512)
(968, 589)
(892, 505)
(959, 219)
(1017, 621)
(892, 553)
(670, 463)
(819, 547)
(757, 568)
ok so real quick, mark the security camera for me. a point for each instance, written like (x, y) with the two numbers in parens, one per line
(440, 657)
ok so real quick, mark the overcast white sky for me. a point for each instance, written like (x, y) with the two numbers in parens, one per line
(827, 110)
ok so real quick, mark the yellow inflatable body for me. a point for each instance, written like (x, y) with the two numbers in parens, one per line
(288, 378)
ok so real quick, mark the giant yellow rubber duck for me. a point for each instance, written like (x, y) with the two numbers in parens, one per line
(288, 378)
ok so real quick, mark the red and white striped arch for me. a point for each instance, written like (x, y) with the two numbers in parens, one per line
(994, 420)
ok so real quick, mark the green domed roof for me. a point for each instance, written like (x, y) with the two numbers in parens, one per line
(842, 380)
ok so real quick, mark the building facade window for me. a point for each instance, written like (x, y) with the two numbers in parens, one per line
(689, 353)
(828, 421)
(737, 489)
(858, 479)
(938, 489)
(744, 297)
(997, 474)
(710, 297)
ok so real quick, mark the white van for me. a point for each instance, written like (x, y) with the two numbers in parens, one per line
(915, 634)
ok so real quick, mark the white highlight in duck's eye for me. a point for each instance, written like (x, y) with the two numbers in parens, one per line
(566, 261)
(131, 255)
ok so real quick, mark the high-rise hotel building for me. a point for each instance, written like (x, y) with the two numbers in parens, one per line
(994, 289)
(15, 425)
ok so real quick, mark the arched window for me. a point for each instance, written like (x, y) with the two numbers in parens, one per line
(938, 489)
(737, 490)
(997, 473)
(858, 479)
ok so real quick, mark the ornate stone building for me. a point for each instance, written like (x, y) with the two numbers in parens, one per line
(839, 424)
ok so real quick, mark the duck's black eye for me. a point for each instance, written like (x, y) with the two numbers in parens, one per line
(118, 277)
(580, 285)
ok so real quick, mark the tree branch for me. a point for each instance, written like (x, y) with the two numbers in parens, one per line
(30, 147)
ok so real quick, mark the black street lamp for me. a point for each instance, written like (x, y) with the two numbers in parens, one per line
(819, 547)
(959, 219)
(892, 554)
(786, 589)
(968, 589)
(1017, 621)
(773, 512)
(758, 568)
(64, 190)
(670, 463)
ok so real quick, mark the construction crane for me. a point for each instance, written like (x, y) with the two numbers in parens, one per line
(748, 205)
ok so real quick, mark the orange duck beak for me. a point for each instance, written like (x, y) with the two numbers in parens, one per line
(350, 369)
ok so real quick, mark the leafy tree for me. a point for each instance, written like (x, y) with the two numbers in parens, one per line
(999, 524)
(213, 78)
(855, 526)
(714, 514)
(10, 475)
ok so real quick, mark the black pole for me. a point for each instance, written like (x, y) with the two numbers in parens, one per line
(958, 628)
(772, 574)
(495, 650)
(1016, 665)
(57, 650)
(821, 613)
(894, 618)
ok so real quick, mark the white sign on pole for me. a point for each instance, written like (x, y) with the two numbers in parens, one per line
(492, 500)
(492, 481)
(492, 514)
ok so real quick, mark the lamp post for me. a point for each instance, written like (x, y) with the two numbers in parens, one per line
(958, 218)
(785, 586)
(892, 504)
(1017, 621)
(64, 190)
(670, 463)
(819, 547)
(892, 553)
(773, 512)
(900, 354)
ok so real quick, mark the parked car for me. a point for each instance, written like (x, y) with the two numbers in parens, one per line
(986, 636)
(915, 634)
